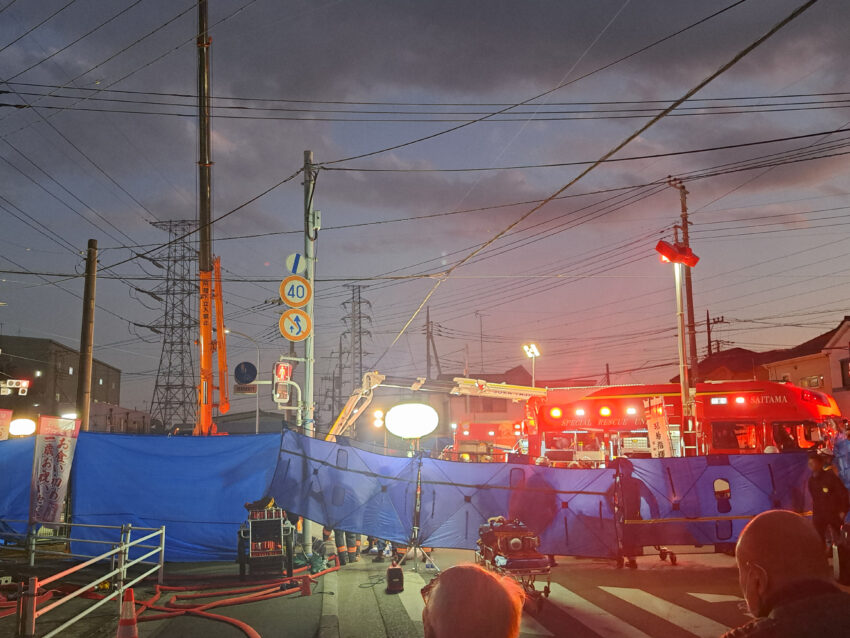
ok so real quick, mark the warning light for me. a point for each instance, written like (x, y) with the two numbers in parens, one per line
(605, 411)
(677, 253)
(379, 418)
(720, 400)
(556, 413)
(466, 432)
(491, 433)
(631, 411)
(580, 412)
(740, 400)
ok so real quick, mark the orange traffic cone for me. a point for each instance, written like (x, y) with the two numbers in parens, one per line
(127, 623)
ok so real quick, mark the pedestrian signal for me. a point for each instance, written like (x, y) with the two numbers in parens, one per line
(280, 387)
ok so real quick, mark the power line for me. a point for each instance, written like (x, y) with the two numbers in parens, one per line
(539, 95)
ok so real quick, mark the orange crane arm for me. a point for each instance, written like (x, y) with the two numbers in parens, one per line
(221, 345)
(204, 424)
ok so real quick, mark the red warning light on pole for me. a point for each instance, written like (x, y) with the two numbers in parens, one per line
(280, 388)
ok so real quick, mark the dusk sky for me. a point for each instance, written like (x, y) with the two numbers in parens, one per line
(109, 144)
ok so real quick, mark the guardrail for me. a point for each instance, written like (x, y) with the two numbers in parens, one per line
(28, 610)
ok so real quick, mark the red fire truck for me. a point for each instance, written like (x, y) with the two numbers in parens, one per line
(732, 417)
(483, 442)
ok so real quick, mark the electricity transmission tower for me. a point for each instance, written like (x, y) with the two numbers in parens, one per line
(354, 322)
(175, 392)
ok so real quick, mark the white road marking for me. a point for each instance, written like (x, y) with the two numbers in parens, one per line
(717, 598)
(684, 618)
(593, 617)
(411, 597)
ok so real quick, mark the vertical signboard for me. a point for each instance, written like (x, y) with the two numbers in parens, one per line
(55, 441)
(657, 428)
(5, 422)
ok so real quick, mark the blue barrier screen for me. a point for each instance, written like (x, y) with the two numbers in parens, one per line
(195, 486)
(15, 477)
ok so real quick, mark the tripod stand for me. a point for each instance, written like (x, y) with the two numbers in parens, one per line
(415, 546)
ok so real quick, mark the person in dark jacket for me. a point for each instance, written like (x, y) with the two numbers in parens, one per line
(830, 500)
(786, 581)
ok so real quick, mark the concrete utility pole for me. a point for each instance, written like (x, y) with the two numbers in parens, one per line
(689, 290)
(311, 232)
(87, 338)
(310, 236)
(427, 343)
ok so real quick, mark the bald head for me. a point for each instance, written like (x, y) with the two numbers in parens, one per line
(469, 600)
(776, 549)
(785, 544)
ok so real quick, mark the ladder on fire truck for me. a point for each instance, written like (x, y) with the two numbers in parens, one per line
(360, 399)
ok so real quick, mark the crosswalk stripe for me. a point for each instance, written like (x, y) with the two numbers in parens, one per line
(684, 618)
(410, 598)
(717, 598)
(591, 616)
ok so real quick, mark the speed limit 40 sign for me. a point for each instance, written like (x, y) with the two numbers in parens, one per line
(295, 291)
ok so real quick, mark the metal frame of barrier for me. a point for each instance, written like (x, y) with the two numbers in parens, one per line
(120, 562)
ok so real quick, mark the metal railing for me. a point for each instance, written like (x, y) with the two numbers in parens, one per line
(119, 557)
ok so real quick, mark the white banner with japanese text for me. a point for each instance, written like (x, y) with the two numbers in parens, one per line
(55, 441)
(658, 429)
(5, 422)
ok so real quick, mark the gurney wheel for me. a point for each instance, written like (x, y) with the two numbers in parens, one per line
(546, 591)
(663, 554)
(672, 558)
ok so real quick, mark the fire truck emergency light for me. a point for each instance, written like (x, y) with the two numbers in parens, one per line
(676, 253)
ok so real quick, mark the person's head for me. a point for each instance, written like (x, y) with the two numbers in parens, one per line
(777, 549)
(816, 462)
(468, 600)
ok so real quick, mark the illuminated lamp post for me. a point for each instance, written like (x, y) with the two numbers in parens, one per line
(681, 256)
(532, 353)
(413, 421)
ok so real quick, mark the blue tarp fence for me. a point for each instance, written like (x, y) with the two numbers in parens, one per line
(15, 477)
(196, 487)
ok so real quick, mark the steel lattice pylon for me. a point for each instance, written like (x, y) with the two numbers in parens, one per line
(175, 393)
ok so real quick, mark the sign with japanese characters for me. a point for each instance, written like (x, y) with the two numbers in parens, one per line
(657, 428)
(55, 441)
(5, 422)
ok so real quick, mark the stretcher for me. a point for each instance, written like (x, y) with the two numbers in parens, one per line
(509, 548)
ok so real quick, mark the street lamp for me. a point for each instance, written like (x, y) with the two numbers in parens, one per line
(681, 256)
(228, 331)
(532, 353)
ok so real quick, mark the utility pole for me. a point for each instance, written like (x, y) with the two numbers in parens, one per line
(428, 342)
(87, 338)
(607, 375)
(708, 324)
(481, 337)
(708, 330)
(689, 290)
(310, 235)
